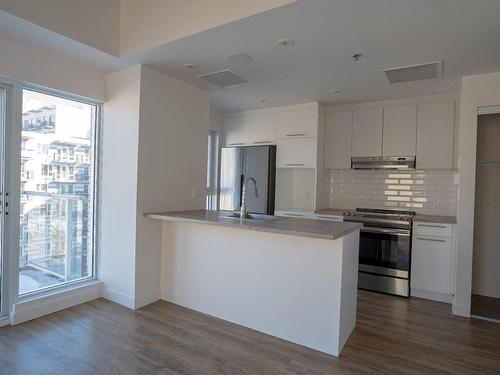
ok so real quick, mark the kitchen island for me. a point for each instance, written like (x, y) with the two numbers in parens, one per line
(291, 278)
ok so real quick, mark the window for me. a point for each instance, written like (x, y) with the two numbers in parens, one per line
(57, 219)
(212, 171)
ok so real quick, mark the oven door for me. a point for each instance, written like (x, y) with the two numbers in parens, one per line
(385, 251)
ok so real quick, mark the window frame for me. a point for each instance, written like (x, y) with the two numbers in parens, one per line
(95, 189)
(5, 107)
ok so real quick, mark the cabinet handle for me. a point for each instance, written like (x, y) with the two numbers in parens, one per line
(295, 134)
(236, 144)
(431, 226)
(261, 142)
(294, 215)
(295, 164)
(430, 239)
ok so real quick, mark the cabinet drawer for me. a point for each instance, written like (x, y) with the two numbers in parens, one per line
(296, 153)
(431, 229)
(297, 124)
(296, 214)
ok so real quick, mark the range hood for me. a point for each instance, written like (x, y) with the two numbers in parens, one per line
(383, 162)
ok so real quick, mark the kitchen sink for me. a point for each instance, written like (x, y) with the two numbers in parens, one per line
(256, 217)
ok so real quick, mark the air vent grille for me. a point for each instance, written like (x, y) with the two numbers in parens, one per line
(223, 78)
(414, 72)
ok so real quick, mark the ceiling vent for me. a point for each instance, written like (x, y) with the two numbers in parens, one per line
(412, 73)
(223, 78)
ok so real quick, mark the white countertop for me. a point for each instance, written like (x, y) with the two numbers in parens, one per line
(321, 229)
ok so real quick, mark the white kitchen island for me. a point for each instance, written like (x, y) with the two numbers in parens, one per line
(291, 278)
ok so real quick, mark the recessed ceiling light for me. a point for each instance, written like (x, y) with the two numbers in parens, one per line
(191, 66)
(357, 56)
(239, 59)
(336, 91)
(285, 42)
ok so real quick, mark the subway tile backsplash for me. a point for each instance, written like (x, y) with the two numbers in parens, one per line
(426, 192)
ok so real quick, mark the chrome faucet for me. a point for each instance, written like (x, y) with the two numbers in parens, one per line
(243, 207)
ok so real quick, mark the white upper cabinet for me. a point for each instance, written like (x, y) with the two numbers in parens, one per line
(338, 134)
(296, 153)
(236, 130)
(435, 132)
(367, 132)
(297, 123)
(400, 130)
(263, 128)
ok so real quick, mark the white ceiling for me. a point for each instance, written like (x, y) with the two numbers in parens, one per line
(464, 34)
(27, 32)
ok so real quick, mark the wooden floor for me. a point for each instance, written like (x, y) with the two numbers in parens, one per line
(393, 336)
(487, 307)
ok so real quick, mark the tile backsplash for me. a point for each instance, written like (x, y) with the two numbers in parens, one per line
(426, 192)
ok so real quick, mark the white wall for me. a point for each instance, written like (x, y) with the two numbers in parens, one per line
(216, 122)
(477, 91)
(174, 19)
(33, 64)
(174, 122)
(92, 22)
(120, 134)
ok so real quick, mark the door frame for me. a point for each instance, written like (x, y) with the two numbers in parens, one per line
(10, 135)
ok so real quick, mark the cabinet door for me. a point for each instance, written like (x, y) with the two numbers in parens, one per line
(297, 124)
(338, 134)
(367, 132)
(400, 130)
(431, 264)
(435, 132)
(296, 153)
(236, 131)
(263, 128)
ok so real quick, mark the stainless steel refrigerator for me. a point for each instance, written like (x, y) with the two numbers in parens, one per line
(239, 163)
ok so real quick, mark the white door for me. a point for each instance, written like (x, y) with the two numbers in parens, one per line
(431, 264)
(236, 131)
(367, 132)
(297, 124)
(296, 153)
(400, 130)
(338, 136)
(435, 131)
(263, 129)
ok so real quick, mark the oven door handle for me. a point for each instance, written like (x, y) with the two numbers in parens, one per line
(397, 232)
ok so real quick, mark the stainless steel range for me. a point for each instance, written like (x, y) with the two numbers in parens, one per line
(384, 249)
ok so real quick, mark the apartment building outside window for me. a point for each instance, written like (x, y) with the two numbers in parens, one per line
(57, 208)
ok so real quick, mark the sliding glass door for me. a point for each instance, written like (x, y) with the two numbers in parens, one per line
(57, 201)
(3, 118)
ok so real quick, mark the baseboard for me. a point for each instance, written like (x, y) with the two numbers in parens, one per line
(486, 291)
(485, 319)
(461, 310)
(119, 297)
(147, 298)
(43, 305)
(4, 322)
(446, 298)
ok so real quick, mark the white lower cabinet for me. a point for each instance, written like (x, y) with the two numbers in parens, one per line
(432, 262)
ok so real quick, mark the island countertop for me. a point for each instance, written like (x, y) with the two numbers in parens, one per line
(312, 228)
